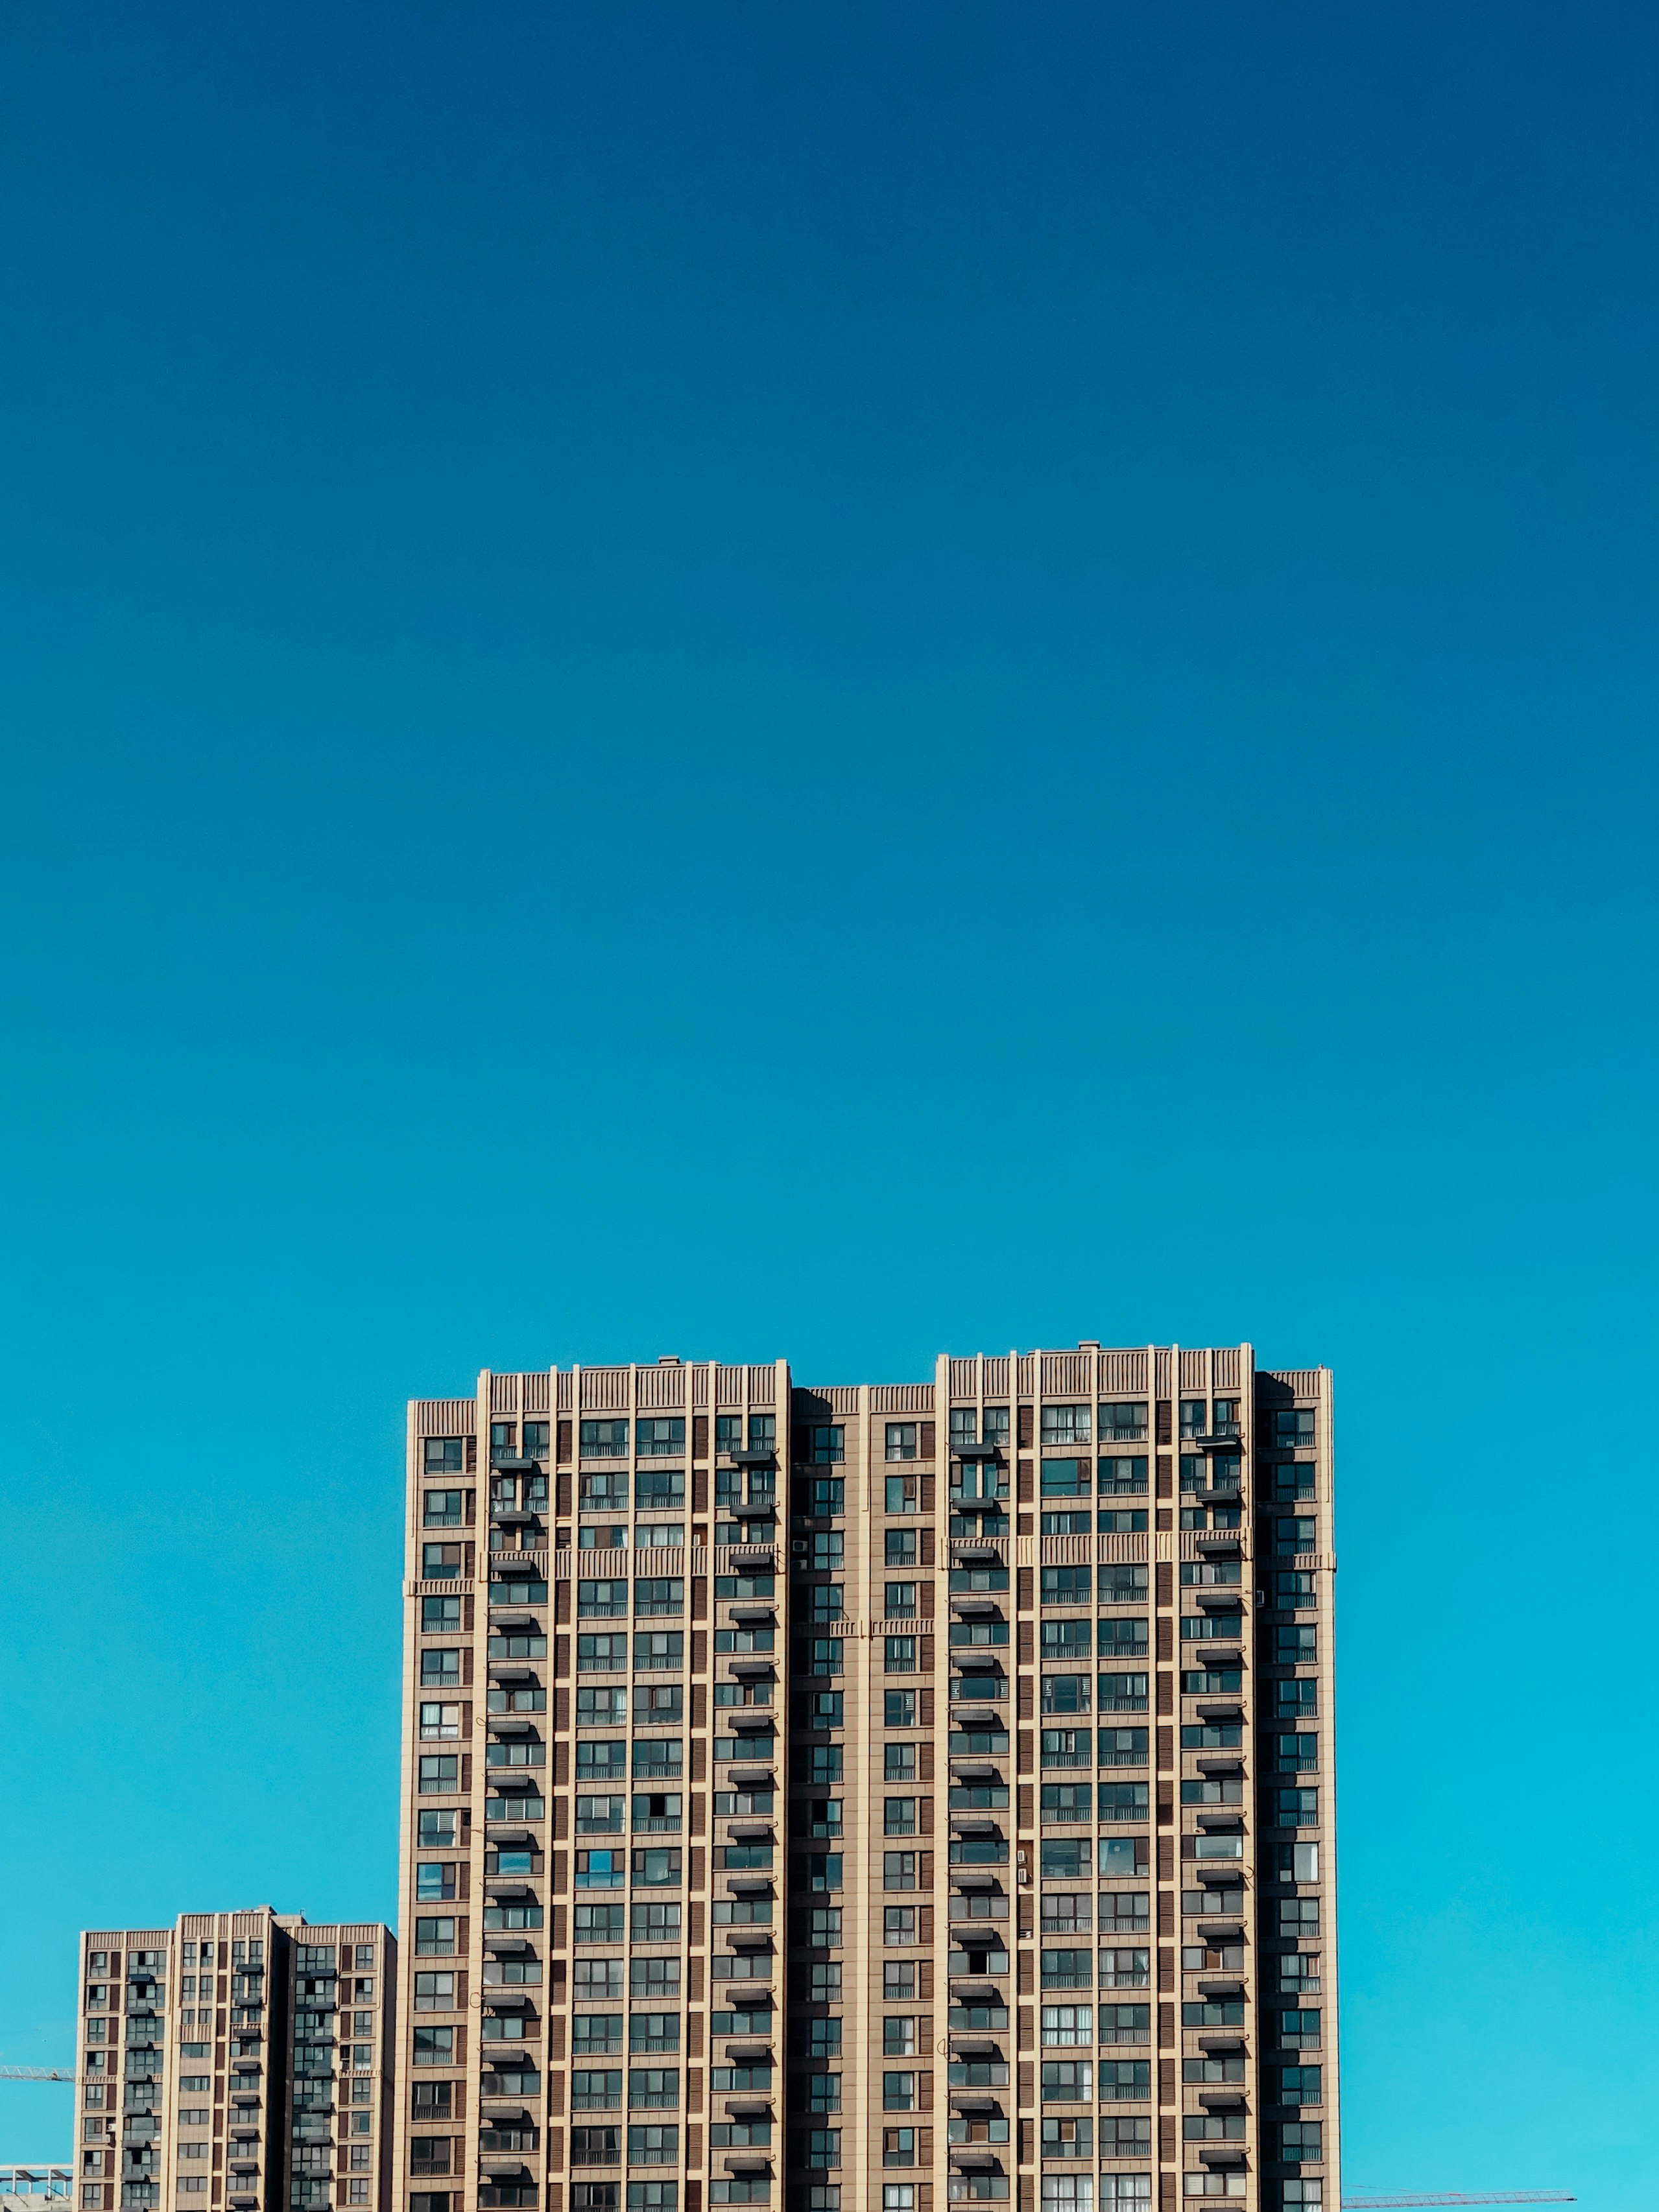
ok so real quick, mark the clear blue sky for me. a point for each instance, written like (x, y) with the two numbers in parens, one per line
(836, 681)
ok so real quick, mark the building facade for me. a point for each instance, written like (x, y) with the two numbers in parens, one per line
(885, 1795)
(236, 2062)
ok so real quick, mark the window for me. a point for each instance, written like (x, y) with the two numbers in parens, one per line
(437, 1831)
(656, 1865)
(653, 2145)
(901, 1600)
(901, 1548)
(826, 1445)
(898, 2092)
(656, 1757)
(1067, 1478)
(433, 2047)
(899, 1762)
(434, 1938)
(440, 1614)
(660, 1594)
(1123, 1585)
(1068, 1801)
(1123, 1422)
(1299, 1916)
(1294, 1535)
(1062, 1639)
(829, 1549)
(658, 1489)
(443, 1509)
(603, 1439)
(1301, 2139)
(1297, 1808)
(823, 1870)
(898, 1870)
(824, 1711)
(649, 2086)
(1067, 2023)
(901, 1440)
(656, 1924)
(596, 1599)
(1295, 1752)
(659, 1436)
(829, 1496)
(1065, 1425)
(899, 1708)
(1067, 2080)
(898, 1923)
(901, 1655)
(1293, 1427)
(1122, 1694)
(1064, 1585)
(1300, 2085)
(1068, 1970)
(440, 1669)
(899, 1816)
(433, 1884)
(596, 1924)
(1120, 1478)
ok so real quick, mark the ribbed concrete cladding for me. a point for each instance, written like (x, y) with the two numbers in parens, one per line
(837, 1772)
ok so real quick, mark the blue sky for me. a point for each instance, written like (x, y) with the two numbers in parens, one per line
(836, 681)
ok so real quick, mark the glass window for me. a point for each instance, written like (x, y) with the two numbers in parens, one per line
(603, 1439)
(901, 1440)
(826, 1445)
(1065, 1425)
(659, 1436)
(445, 1455)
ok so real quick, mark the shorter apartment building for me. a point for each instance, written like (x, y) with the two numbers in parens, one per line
(236, 2062)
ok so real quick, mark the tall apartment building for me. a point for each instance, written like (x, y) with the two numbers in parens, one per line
(236, 2062)
(1033, 1899)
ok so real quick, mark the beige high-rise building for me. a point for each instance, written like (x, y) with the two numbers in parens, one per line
(1032, 1899)
(236, 2062)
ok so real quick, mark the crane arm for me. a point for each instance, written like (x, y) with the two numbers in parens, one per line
(1454, 2196)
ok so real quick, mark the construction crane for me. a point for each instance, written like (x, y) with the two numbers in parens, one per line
(36, 2073)
(1376, 2202)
